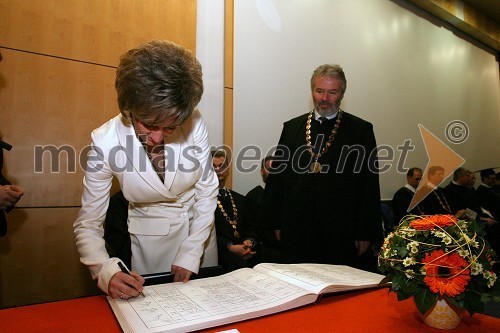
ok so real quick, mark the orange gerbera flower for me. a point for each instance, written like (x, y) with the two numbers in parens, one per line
(445, 273)
(432, 222)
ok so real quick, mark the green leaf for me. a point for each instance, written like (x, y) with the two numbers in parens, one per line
(385, 280)
(402, 295)
(425, 300)
(411, 287)
(402, 251)
(458, 303)
(398, 282)
(485, 298)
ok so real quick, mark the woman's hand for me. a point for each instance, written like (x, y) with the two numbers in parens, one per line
(125, 286)
(181, 274)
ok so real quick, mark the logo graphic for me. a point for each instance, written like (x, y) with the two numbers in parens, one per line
(443, 161)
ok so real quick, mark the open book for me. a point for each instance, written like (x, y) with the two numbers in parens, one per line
(239, 295)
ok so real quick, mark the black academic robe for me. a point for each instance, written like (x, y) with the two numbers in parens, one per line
(400, 204)
(489, 200)
(256, 194)
(320, 215)
(436, 202)
(461, 197)
(269, 251)
(225, 232)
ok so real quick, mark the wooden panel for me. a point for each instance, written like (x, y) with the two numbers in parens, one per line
(51, 102)
(97, 31)
(477, 23)
(228, 43)
(228, 128)
(57, 85)
(465, 18)
(228, 79)
(38, 258)
(449, 5)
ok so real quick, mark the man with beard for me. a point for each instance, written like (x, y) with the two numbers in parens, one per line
(322, 194)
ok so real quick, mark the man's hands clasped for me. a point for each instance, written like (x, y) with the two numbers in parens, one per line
(245, 250)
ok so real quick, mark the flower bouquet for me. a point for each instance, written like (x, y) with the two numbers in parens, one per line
(439, 257)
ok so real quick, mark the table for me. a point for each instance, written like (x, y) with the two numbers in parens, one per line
(361, 311)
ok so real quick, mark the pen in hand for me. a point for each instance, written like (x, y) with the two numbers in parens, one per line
(125, 270)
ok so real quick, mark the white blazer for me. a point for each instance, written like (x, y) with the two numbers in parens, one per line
(170, 223)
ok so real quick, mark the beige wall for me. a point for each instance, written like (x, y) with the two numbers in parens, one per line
(56, 86)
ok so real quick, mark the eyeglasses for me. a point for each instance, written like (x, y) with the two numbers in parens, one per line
(152, 127)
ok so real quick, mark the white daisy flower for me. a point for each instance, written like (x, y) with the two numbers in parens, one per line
(408, 261)
(476, 268)
(410, 274)
(447, 240)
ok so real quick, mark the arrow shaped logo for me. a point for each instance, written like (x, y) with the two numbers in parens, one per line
(440, 155)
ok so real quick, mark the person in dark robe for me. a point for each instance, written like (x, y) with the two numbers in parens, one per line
(9, 194)
(402, 198)
(237, 241)
(323, 194)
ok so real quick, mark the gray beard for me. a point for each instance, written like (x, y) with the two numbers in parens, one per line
(327, 112)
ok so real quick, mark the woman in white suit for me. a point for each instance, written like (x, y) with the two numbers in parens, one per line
(157, 148)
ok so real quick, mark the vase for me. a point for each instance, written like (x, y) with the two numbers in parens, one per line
(443, 315)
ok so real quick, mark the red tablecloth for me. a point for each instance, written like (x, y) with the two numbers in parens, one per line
(364, 311)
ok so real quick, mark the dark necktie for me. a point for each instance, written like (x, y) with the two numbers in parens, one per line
(325, 126)
(222, 193)
(326, 123)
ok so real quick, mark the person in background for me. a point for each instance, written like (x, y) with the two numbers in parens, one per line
(496, 186)
(270, 246)
(456, 191)
(9, 194)
(490, 207)
(402, 198)
(323, 194)
(237, 240)
(157, 148)
(463, 198)
(488, 200)
(437, 201)
(471, 182)
(257, 193)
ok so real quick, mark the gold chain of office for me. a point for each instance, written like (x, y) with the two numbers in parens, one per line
(316, 166)
(234, 223)
(444, 205)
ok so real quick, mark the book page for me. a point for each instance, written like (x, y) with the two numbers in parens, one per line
(322, 278)
(181, 307)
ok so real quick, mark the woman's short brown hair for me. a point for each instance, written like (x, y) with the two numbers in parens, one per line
(158, 81)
